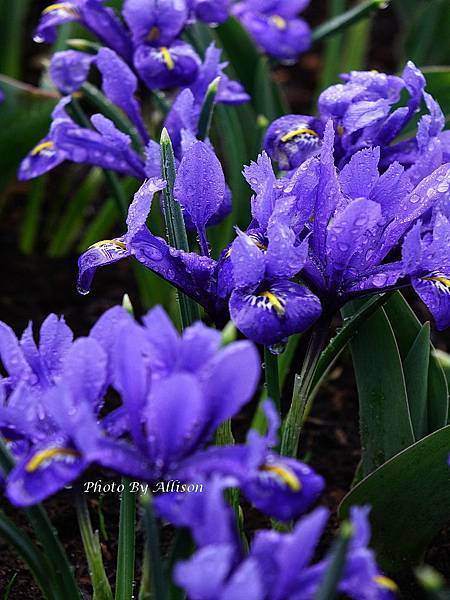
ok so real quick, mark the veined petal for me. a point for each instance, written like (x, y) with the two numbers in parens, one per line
(360, 175)
(434, 291)
(200, 184)
(248, 262)
(272, 315)
(100, 254)
(119, 84)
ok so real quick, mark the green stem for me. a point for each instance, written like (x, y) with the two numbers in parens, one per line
(159, 588)
(333, 46)
(341, 22)
(294, 420)
(92, 549)
(272, 376)
(127, 541)
(175, 227)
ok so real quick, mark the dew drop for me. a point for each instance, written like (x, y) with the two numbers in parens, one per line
(278, 348)
(83, 291)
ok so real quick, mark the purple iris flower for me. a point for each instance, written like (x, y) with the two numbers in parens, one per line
(105, 147)
(69, 69)
(97, 18)
(275, 26)
(51, 398)
(253, 276)
(355, 219)
(365, 114)
(212, 12)
(280, 487)
(278, 566)
(176, 390)
(155, 22)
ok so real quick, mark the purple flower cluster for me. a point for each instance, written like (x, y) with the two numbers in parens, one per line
(175, 392)
(278, 566)
(330, 230)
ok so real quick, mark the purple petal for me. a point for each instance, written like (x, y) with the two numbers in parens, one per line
(272, 315)
(174, 417)
(120, 84)
(435, 294)
(200, 184)
(157, 22)
(261, 179)
(248, 262)
(55, 340)
(360, 175)
(100, 254)
(167, 67)
(140, 207)
(70, 69)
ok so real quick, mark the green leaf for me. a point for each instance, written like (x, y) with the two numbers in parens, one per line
(438, 85)
(24, 120)
(427, 22)
(344, 20)
(410, 499)
(385, 421)
(126, 544)
(416, 375)
(11, 27)
(406, 328)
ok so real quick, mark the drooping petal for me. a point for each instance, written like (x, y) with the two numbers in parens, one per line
(100, 254)
(167, 67)
(140, 207)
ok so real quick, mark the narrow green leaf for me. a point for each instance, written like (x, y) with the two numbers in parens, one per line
(343, 337)
(9, 587)
(28, 552)
(92, 549)
(159, 583)
(173, 216)
(385, 422)
(410, 499)
(11, 26)
(32, 217)
(72, 221)
(344, 20)
(126, 546)
(406, 328)
(416, 375)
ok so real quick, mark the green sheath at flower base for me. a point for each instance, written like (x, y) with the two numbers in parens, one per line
(328, 587)
(208, 109)
(173, 217)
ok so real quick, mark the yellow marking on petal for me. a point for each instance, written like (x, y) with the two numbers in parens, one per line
(443, 280)
(260, 246)
(41, 457)
(40, 147)
(279, 22)
(167, 58)
(300, 131)
(60, 6)
(153, 34)
(386, 582)
(228, 252)
(106, 242)
(340, 130)
(274, 302)
(288, 476)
